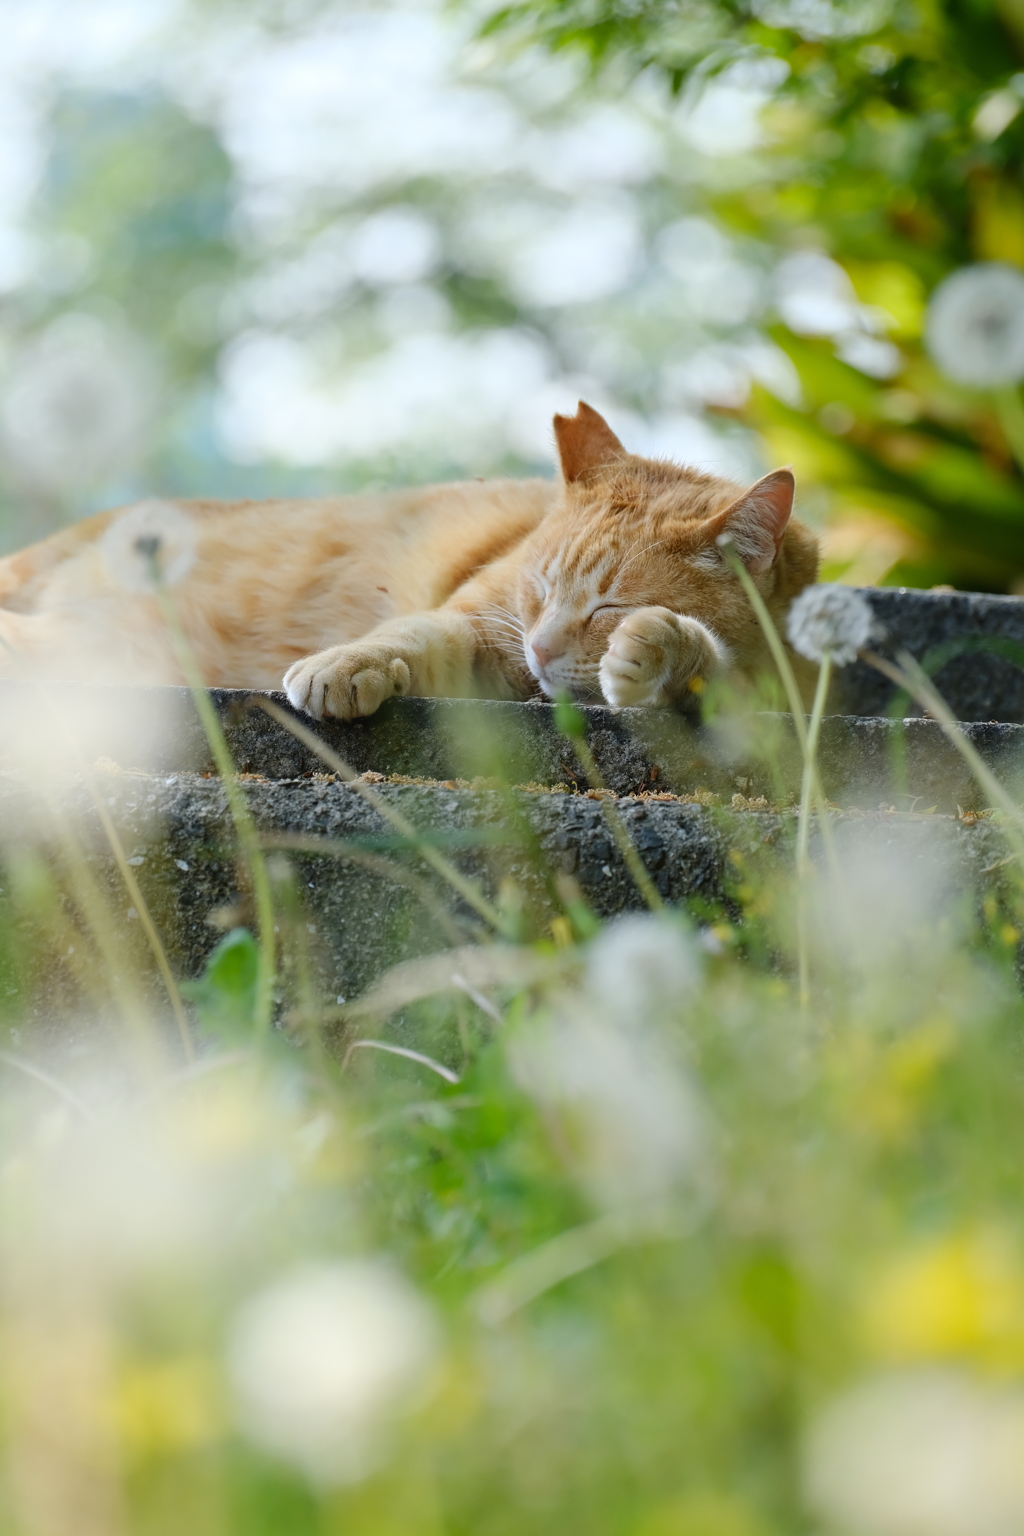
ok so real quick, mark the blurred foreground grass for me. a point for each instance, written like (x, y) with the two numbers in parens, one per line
(629, 1243)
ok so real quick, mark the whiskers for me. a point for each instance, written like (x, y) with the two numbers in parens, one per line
(508, 626)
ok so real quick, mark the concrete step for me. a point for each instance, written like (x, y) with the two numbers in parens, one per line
(863, 760)
(366, 902)
(691, 797)
(977, 683)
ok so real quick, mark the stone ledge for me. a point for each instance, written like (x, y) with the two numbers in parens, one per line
(977, 686)
(863, 760)
(363, 919)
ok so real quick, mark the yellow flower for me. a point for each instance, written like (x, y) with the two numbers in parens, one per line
(883, 1085)
(963, 1296)
(561, 931)
(167, 1406)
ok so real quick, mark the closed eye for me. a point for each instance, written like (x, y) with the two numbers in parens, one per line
(606, 608)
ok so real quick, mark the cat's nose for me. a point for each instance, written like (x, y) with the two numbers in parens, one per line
(545, 654)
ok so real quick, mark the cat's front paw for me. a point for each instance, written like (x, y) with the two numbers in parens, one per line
(346, 682)
(656, 656)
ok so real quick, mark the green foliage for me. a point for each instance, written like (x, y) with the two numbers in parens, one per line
(654, 1219)
(896, 143)
(570, 720)
(156, 213)
(225, 994)
(864, 1220)
(891, 139)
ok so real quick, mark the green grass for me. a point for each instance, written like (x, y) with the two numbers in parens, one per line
(662, 1219)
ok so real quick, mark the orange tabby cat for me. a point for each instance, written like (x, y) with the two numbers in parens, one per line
(608, 585)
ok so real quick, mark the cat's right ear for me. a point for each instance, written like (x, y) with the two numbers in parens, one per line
(757, 522)
(586, 443)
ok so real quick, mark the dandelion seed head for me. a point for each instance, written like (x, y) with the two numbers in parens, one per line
(152, 544)
(634, 1120)
(321, 1361)
(641, 967)
(629, 1107)
(151, 1184)
(919, 1453)
(884, 915)
(975, 325)
(833, 619)
(78, 404)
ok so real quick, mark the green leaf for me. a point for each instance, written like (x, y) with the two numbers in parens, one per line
(225, 994)
(569, 720)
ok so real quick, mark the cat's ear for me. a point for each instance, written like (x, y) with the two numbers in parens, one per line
(757, 522)
(585, 443)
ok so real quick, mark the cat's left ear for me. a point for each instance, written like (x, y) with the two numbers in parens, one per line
(586, 443)
(757, 522)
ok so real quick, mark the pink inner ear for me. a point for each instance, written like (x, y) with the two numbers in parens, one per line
(757, 522)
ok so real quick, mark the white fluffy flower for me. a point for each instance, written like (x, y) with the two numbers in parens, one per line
(322, 1360)
(628, 1107)
(922, 1453)
(634, 1120)
(152, 534)
(833, 619)
(975, 326)
(78, 404)
(640, 967)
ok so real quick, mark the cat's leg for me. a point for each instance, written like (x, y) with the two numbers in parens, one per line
(656, 656)
(430, 655)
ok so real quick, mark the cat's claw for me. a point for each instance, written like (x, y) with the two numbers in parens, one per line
(655, 656)
(345, 683)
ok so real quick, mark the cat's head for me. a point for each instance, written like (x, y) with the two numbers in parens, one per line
(632, 533)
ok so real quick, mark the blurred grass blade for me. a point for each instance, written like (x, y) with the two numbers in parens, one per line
(388, 869)
(402, 1050)
(573, 724)
(908, 674)
(245, 827)
(467, 889)
(568, 1254)
(479, 966)
(40, 1075)
(789, 682)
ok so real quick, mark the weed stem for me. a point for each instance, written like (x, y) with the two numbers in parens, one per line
(789, 682)
(911, 676)
(467, 889)
(245, 828)
(803, 863)
(620, 832)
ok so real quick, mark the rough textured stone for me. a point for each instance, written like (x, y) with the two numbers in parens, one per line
(362, 915)
(977, 684)
(365, 900)
(863, 760)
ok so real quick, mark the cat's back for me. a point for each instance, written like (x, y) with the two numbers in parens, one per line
(422, 534)
(269, 581)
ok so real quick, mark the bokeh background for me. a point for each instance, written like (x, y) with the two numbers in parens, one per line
(638, 1242)
(297, 247)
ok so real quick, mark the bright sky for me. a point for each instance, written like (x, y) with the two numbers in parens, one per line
(574, 205)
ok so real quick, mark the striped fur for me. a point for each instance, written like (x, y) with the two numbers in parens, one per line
(605, 584)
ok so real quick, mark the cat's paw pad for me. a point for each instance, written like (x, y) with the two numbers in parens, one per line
(654, 655)
(346, 682)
